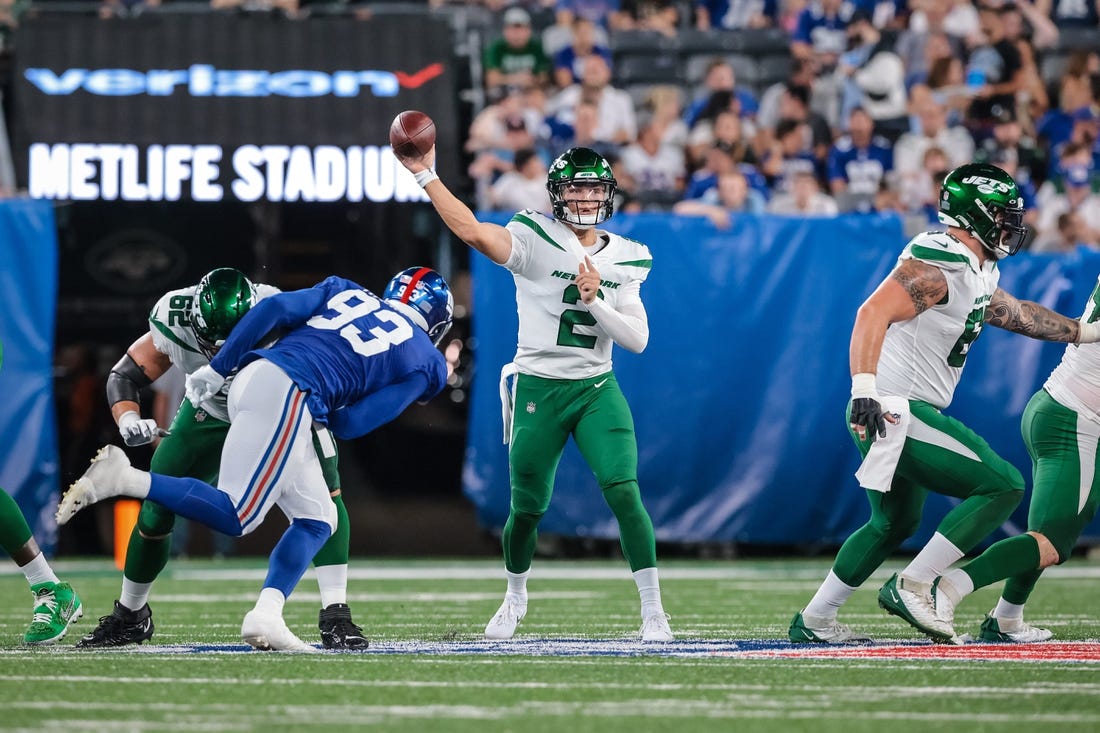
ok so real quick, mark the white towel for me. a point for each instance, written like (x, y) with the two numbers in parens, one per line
(877, 470)
(507, 399)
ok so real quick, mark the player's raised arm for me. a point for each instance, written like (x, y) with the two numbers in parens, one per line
(1037, 321)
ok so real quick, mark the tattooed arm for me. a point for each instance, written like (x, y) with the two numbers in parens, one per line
(1030, 319)
(912, 288)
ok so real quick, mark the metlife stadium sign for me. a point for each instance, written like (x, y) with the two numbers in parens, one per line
(211, 107)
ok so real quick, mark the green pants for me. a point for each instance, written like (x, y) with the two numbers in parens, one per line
(595, 412)
(943, 456)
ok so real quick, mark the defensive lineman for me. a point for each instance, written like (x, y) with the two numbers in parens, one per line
(349, 360)
(909, 343)
(578, 291)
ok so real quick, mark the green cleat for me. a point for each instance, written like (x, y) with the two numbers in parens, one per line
(56, 608)
(809, 630)
(1012, 631)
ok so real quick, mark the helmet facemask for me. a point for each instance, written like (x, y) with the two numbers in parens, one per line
(423, 295)
(581, 203)
(221, 300)
(984, 201)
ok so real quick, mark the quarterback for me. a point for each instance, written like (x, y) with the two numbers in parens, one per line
(578, 291)
(909, 343)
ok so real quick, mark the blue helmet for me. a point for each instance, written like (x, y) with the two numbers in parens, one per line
(422, 294)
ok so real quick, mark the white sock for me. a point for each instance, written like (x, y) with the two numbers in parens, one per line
(1008, 610)
(271, 600)
(956, 585)
(134, 595)
(332, 581)
(517, 585)
(931, 562)
(829, 598)
(39, 571)
(649, 589)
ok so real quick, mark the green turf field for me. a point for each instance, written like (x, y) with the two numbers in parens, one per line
(574, 667)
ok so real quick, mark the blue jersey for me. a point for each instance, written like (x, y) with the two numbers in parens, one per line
(861, 168)
(360, 361)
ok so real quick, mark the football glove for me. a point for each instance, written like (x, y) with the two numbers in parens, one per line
(136, 431)
(867, 413)
(202, 384)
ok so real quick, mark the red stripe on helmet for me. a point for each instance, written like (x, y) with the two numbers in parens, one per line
(416, 278)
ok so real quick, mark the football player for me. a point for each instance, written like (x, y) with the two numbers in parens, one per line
(578, 292)
(186, 328)
(349, 360)
(909, 344)
(1061, 427)
(56, 604)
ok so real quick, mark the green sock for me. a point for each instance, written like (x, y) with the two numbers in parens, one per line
(146, 557)
(14, 530)
(635, 527)
(861, 554)
(1018, 588)
(335, 551)
(518, 540)
(1005, 559)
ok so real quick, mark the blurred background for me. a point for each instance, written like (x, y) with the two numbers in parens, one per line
(774, 154)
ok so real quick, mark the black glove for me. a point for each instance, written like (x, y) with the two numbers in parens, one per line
(867, 412)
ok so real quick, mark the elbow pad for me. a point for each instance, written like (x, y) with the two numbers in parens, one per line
(125, 382)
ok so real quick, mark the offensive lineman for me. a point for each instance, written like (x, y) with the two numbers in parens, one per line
(186, 328)
(910, 340)
(349, 360)
(567, 325)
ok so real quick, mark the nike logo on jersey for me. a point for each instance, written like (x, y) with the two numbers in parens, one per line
(597, 385)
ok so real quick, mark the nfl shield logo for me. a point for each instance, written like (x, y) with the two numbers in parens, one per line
(531, 408)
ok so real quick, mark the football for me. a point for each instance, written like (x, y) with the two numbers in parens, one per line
(412, 134)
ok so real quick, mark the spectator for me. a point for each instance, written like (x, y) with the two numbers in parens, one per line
(616, 120)
(930, 17)
(584, 131)
(789, 155)
(947, 84)
(1032, 98)
(660, 16)
(716, 161)
(795, 105)
(732, 195)
(605, 13)
(735, 14)
(725, 131)
(1009, 144)
(516, 58)
(859, 161)
(569, 61)
(665, 103)
(1070, 13)
(1072, 233)
(719, 84)
(932, 131)
(1076, 189)
(524, 187)
(496, 134)
(1055, 128)
(821, 33)
(875, 78)
(802, 75)
(994, 71)
(657, 170)
(803, 199)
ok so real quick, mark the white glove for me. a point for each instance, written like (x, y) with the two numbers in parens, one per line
(1089, 332)
(136, 431)
(203, 384)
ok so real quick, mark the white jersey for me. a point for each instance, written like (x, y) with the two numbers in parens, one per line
(1075, 382)
(922, 358)
(558, 337)
(170, 326)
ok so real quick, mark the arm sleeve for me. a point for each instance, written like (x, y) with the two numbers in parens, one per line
(377, 408)
(628, 326)
(284, 310)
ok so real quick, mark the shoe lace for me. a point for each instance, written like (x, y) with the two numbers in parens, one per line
(655, 621)
(345, 627)
(45, 607)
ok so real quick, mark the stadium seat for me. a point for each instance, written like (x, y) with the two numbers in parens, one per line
(694, 41)
(631, 42)
(651, 68)
(1052, 66)
(1078, 39)
(745, 67)
(772, 69)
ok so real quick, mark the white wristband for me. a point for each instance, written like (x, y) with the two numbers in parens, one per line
(1088, 332)
(863, 385)
(425, 177)
(127, 418)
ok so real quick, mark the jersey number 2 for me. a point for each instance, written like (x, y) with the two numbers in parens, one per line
(352, 304)
(573, 318)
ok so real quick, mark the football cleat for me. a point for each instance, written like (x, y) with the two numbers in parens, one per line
(810, 629)
(269, 632)
(655, 628)
(338, 631)
(503, 625)
(56, 608)
(1012, 631)
(103, 479)
(913, 602)
(119, 628)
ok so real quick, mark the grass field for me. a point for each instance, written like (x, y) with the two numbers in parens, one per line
(574, 667)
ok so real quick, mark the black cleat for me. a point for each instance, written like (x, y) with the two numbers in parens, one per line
(338, 631)
(122, 627)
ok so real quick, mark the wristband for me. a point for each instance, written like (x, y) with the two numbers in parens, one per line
(1088, 333)
(863, 385)
(127, 418)
(426, 176)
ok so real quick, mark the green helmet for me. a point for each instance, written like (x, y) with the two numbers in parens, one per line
(577, 175)
(221, 299)
(984, 200)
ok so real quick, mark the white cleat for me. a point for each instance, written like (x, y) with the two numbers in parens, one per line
(503, 624)
(811, 629)
(1012, 631)
(103, 479)
(655, 628)
(269, 632)
(914, 602)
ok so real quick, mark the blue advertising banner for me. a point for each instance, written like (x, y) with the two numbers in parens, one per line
(739, 400)
(28, 297)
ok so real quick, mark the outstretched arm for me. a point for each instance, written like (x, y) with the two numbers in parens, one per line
(491, 240)
(1037, 321)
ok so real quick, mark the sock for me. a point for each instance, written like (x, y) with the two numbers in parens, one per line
(197, 500)
(1018, 588)
(517, 585)
(518, 540)
(635, 526)
(292, 555)
(933, 560)
(145, 558)
(829, 598)
(39, 571)
(271, 601)
(335, 551)
(956, 585)
(1008, 610)
(332, 581)
(649, 590)
(134, 594)
(1005, 559)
